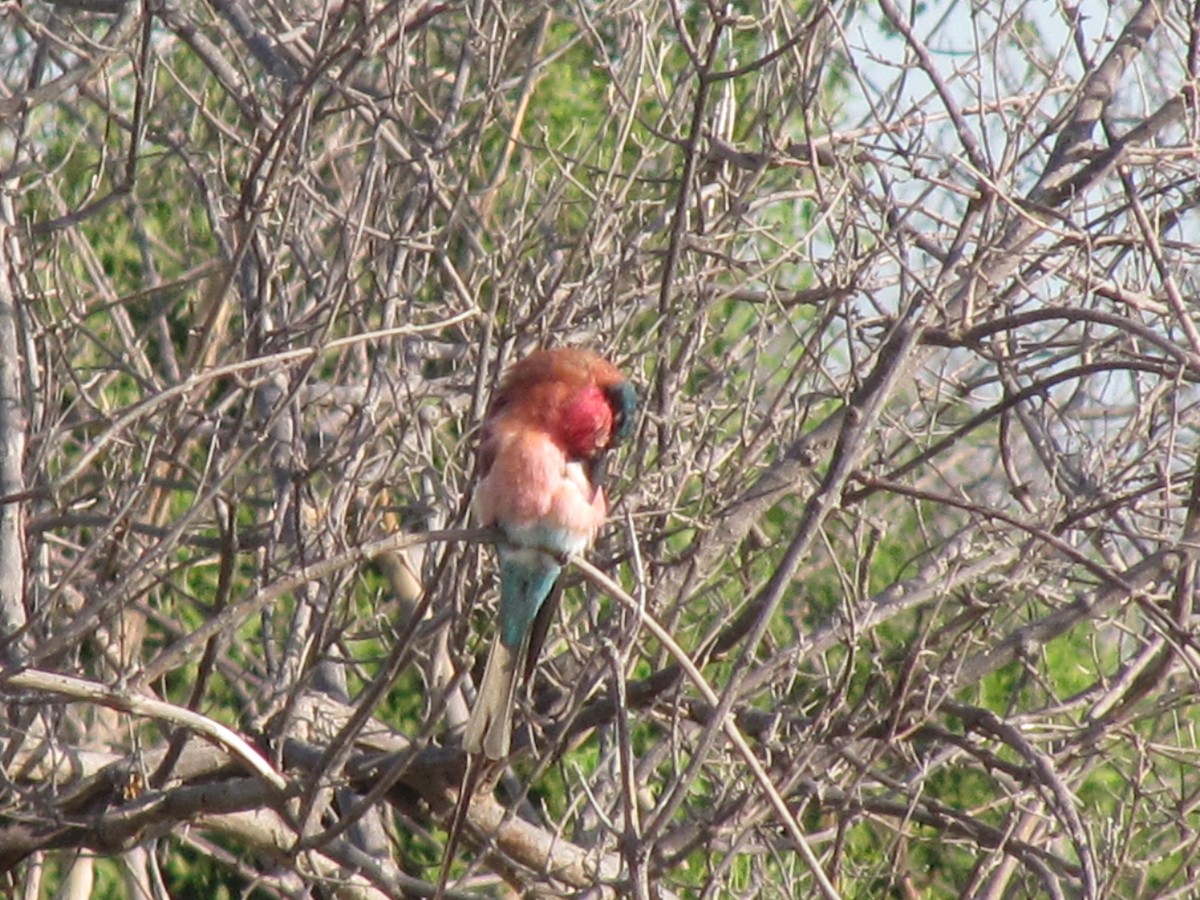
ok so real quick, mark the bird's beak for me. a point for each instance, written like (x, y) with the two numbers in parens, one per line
(598, 470)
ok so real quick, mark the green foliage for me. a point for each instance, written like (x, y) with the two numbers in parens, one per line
(493, 177)
(188, 873)
(108, 880)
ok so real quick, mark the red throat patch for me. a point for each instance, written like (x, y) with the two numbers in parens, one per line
(586, 423)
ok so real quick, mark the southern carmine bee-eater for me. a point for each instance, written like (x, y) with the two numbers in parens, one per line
(541, 466)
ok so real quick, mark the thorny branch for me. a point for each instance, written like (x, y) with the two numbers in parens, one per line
(910, 514)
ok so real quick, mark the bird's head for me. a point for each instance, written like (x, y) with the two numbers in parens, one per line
(578, 397)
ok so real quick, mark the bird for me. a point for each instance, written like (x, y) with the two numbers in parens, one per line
(541, 465)
(542, 454)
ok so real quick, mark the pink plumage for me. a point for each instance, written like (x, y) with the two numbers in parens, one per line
(540, 457)
(533, 487)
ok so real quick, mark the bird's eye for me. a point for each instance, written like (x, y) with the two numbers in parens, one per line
(623, 400)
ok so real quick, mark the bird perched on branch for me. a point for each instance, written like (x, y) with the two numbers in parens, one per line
(541, 466)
